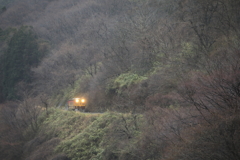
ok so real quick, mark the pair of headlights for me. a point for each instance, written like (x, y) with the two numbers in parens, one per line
(77, 100)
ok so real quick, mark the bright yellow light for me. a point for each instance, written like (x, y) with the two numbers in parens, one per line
(77, 100)
(83, 100)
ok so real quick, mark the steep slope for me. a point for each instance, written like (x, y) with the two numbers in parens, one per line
(174, 64)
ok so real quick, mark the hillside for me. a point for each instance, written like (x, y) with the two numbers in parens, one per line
(164, 73)
(85, 136)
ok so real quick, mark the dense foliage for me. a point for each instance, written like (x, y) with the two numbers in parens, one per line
(169, 68)
(22, 54)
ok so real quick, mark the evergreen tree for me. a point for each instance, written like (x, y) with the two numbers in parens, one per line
(21, 55)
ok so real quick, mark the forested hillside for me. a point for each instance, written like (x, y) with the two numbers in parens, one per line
(167, 71)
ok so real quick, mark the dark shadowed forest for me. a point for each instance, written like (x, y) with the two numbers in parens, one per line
(161, 79)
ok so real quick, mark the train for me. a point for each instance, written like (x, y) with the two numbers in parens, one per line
(77, 104)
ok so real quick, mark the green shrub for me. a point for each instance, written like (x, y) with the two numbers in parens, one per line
(125, 80)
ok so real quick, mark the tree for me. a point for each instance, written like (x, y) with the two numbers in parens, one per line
(21, 55)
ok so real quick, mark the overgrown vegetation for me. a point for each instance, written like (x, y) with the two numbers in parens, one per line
(163, 73)
(125, 80)
(89, 136)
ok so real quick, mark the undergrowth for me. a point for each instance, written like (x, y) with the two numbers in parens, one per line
(87, 136)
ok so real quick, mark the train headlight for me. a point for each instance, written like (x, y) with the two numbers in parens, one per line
(76, 100)
(83, 100)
